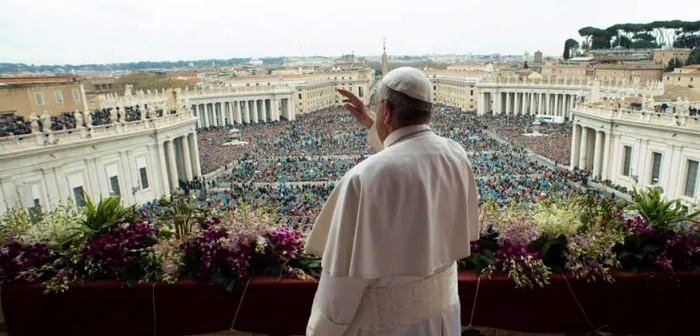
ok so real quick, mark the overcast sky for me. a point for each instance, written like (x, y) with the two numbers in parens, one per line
(109, 31)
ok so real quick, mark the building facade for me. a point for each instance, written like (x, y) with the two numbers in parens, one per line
(688, 76)
(256, 98)
(643, 72)
(664, 56)
(556, 70)
(639, 148)
(23, 95)
(513, 95)
(140, 161)
(456, 88)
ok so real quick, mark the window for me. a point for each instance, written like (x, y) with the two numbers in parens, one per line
(76, 95)
(628, 161)
(58, 96)
(655, 167)
(300, 96)
(114, 186)
(471, 92)
(691, 178)
(144, 177)
(79, 196)
(39, 98)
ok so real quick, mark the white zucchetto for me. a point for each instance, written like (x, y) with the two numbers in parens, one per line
(409, 81)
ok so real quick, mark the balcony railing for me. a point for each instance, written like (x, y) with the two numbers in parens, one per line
(39, 139)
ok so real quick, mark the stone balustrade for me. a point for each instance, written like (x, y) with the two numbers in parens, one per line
(39, 139)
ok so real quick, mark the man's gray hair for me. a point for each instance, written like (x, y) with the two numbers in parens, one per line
(408, 110)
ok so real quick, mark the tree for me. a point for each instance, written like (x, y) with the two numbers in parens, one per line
(622, 41)
(525, 65)
(601, 41)
(694, 57)
(672, 64)
(570, 48)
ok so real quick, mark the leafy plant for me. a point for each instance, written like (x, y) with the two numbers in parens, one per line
(659, 212)
(99, 218)
(183, 216)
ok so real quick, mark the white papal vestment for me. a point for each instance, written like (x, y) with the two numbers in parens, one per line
(390, 235)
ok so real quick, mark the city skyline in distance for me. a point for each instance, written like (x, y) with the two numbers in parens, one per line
(126, 31)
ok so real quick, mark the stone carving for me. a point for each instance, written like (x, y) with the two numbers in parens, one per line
(113, 116)
(46, 121)
(88, 119)
(78, 119)
(34, 122)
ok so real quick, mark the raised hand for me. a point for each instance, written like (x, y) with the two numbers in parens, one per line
(357, 108)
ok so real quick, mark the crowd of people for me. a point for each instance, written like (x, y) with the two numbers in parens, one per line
(291, 166)
(553, 143)
(18, 125)
(292, 169)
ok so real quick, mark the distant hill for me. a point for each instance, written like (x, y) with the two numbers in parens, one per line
(67, 68)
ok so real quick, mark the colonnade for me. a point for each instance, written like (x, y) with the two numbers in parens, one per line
(590, 149)
(222, 113)
(179, 156)
(527, 103)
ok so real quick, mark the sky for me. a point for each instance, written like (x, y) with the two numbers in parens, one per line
(113, 31)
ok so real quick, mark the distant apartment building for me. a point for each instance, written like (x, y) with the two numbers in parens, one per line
(643, 72)
(557, 70)
(688, 76)
(664, 56)
(455, 88)
(55, 94)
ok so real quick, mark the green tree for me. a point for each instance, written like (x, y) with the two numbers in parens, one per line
(570, 48)
(694, 57)
(525, 65)
(672, 64)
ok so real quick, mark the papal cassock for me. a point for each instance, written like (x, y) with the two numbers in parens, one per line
(390, 235)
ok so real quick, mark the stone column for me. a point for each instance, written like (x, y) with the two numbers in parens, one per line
(194, 154)
(540, 109)
(206, 115)
(230, 113)
(199, 115)
(575, 146)
(245, 112)
(275, 109)
(217, 114)
(172, 165)
(606, 158)
(507, 102)
(237, 112)
(163, 169)
(556, 104)
(263, 111)
(186, 158)
(290, 112)
(597, 155)
(532, 104)
(583, 152)
(254, 111)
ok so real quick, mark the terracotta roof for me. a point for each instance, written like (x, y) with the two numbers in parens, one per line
(38, 80)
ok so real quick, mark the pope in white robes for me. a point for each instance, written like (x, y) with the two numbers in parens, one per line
(394, 227)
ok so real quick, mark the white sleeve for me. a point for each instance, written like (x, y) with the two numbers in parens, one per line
(335, 304)
(373, 138)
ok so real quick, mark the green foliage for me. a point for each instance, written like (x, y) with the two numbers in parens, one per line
(570, 47)
(551, 250)
(694, 57)
(181, 216)
(98, 218)
(603, 212)
(672, 64)
(15, 222)
(659, 212)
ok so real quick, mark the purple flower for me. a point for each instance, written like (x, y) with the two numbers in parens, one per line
(17, 260)
(639, 226)
(116, 249)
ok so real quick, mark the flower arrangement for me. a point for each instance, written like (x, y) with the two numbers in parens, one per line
(583, 237)
(586, 238)
(106, 240)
